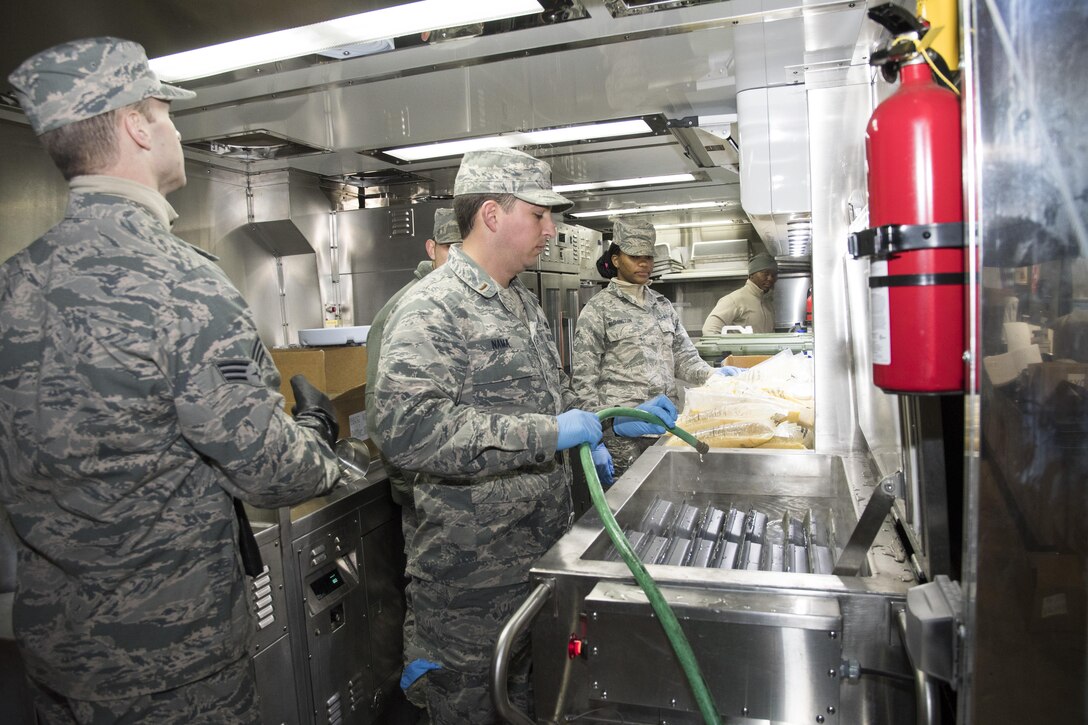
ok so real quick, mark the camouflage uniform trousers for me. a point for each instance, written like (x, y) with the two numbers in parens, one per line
(409, 522)
(625, 451)
(227, 696)
(457, 628)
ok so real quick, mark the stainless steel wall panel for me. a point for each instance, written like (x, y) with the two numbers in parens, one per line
(375, 257)
(302, 299)
(215, 209)
(840, 285)
(33, 194)
(790, 300)
(272, 669)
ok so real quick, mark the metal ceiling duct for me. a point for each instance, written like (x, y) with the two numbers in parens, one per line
(277, 204)
(254, 145)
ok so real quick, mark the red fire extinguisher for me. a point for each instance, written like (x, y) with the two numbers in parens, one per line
(916, 279)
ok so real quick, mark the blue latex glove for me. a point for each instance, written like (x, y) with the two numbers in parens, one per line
(728, 371)
(602, 461)
(660, 406)
(414, 670)
(577, 427)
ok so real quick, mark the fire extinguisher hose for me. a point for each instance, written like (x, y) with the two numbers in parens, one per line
(671, 626)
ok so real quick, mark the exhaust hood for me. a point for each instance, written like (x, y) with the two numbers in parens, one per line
(255, 145)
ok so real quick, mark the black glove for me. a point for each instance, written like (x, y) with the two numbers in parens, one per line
(313, 409)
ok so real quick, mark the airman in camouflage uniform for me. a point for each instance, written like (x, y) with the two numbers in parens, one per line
(445, 233)
(630, 344)
(473, 405)
(135, 400)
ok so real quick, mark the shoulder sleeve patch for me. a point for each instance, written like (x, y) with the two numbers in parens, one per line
(240, 371)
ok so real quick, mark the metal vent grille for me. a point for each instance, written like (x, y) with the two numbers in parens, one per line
(356, 692)
(334, 713)
(799, 237)
(262, 599)
(402, 223)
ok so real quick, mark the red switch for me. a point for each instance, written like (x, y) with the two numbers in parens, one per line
(575, 647)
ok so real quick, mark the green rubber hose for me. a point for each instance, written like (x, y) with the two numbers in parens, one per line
(665, 615)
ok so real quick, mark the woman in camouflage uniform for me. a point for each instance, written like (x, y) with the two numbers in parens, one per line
(631, 345)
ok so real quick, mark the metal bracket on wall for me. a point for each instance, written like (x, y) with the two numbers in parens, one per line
(872, 518)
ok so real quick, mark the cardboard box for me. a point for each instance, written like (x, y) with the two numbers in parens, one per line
(351, 412)
(745, 361)
(333, 370)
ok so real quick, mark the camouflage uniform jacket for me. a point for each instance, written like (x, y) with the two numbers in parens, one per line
(626, 353)
(466, 399)
(748, 305)
(135, 400)
(402, 493)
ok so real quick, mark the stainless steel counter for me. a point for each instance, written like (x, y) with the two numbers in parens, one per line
(330, 605)
(773, 645)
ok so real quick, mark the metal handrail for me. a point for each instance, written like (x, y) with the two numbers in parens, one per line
(925, 689)
(504, 645)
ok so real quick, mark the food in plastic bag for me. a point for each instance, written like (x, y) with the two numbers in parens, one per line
(741, 434)
(769, 405)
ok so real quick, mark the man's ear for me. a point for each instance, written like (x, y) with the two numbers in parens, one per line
(134, 126)
(430, 244)
(489, 214)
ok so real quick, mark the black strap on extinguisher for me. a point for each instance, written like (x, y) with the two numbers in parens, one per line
(894, 238)
(917, 280)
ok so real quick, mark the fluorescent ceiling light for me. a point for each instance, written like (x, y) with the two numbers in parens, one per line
(696, 225)
(567, 134)
(651, 209)
(414, 17)
(621, 183)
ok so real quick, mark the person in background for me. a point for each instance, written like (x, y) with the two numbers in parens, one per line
(445, 233)
(136, 401)
(752, 305)
(473, 405)
(630, 344)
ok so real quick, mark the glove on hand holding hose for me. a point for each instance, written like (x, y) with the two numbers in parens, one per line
(660, 406)
(602, 461)
(728, 371)
(313, 410)
(577, 427)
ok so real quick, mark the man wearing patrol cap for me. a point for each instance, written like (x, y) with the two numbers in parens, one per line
(751, 305)
(136, 400)
(631, 346)
(473, 405)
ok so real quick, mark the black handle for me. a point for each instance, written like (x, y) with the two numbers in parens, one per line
(247, 543)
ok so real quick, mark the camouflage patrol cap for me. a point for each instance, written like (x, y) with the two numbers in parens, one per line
(635, 237)
(445, 227)
(761, 262)
(508, 171)
(85, 78)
